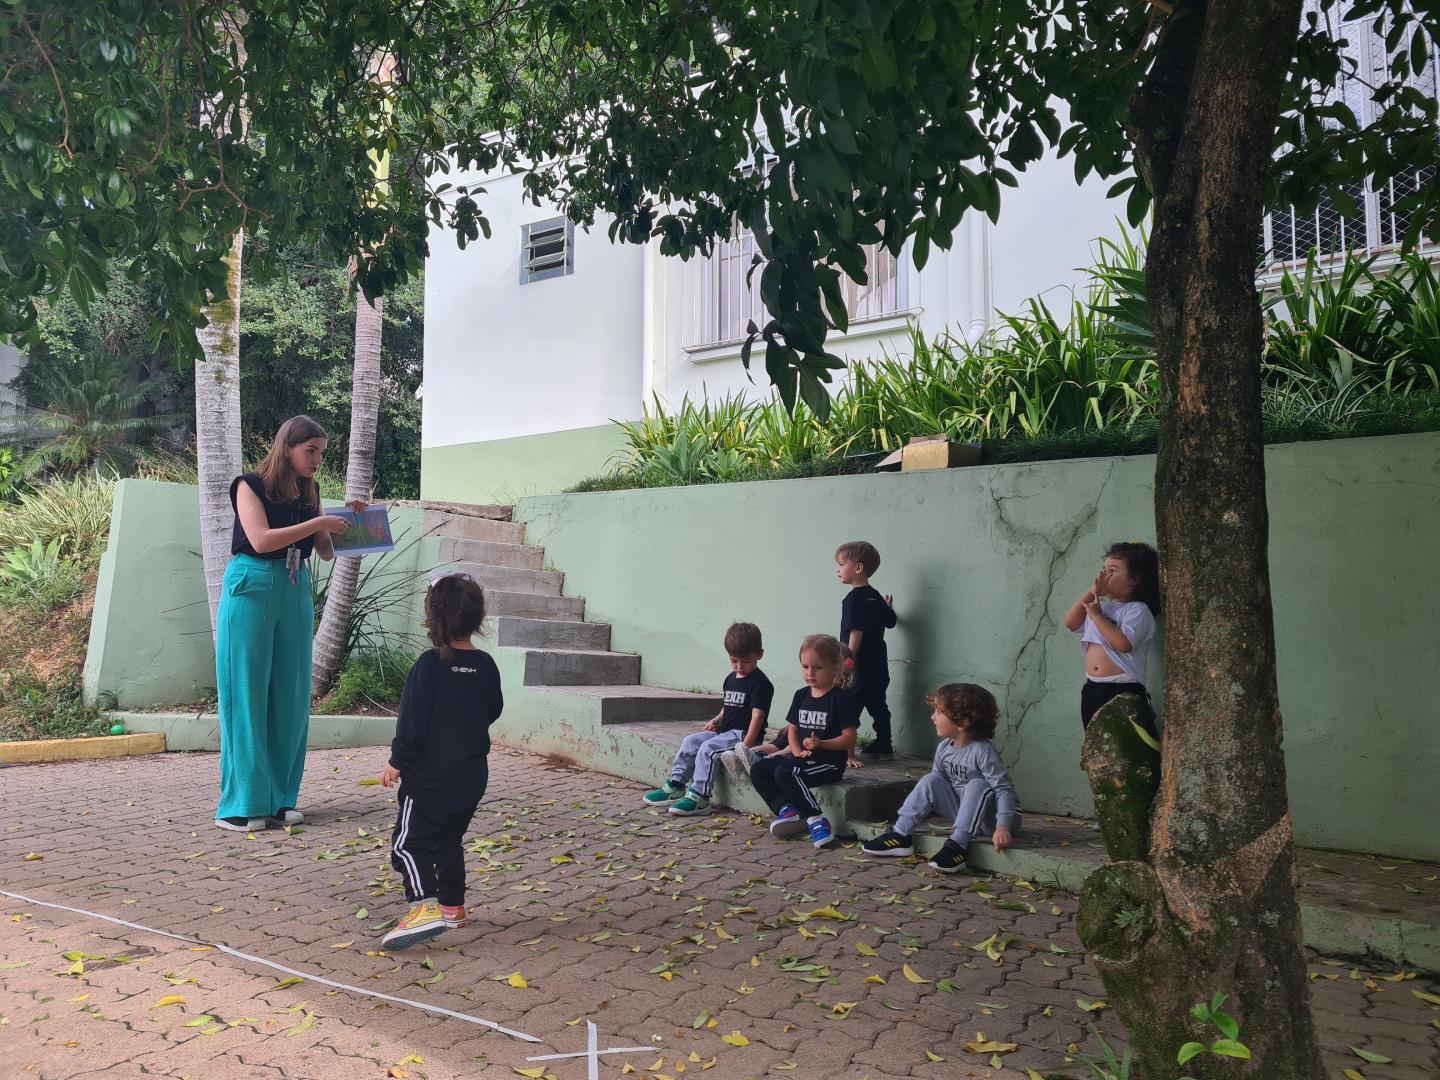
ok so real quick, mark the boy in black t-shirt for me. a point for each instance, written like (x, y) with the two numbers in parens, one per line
(740, 722)
(865, 615)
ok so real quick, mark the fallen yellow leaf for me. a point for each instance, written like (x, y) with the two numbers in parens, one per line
(1354, 1074)
(865, 950)
(535, 1073)
(982, 1045)
(912, 975)
(878, 980)
(34, 857)
(722, 935)
(933, 1056)
(170, 999)
(735, 1039)
(519, 982)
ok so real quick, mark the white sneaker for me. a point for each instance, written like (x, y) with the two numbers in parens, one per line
(287, 816)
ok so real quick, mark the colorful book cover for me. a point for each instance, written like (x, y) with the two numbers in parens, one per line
(369, 532)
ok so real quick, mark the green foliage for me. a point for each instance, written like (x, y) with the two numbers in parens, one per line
(1351, 356)
(297, 334)
(1109, 1066)
(74, 513)
(369, 678)
(38, 579)
(91, 416)
(7, 471)
(887, 123)
(383, 618)
(1227, 1046)
(48, 710)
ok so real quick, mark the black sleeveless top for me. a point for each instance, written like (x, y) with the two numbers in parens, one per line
(277, 515)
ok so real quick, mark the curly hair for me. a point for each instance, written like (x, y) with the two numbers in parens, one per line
(968, 706)
(454, 611)
(830, 650)
(1143, 565)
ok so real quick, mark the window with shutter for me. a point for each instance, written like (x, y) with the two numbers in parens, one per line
(547, 249)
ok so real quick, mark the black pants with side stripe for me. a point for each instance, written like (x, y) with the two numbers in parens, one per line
(426, 846)
(782, 780)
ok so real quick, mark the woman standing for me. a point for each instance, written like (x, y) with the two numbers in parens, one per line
(264, 628)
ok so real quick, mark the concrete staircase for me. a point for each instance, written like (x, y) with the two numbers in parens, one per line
(562, 652)
(581, 699)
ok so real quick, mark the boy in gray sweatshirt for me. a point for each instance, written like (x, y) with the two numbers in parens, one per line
(968, 784)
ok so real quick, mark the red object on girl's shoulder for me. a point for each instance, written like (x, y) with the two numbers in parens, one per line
(850, 663)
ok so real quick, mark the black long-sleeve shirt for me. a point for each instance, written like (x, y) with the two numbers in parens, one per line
(442, 738)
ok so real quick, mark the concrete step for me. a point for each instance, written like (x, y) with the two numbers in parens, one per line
(580, 667)
(646, 704)
(495, 513)
(1353, 905)
(512, 579)
(488, 553)
(554, 634)
(528, 605)
(874, 792)
(463, 526)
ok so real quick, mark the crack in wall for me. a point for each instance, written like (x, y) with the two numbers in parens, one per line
(1026, 686)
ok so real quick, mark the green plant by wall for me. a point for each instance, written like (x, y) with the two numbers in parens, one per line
(38, 579)
(1350, 353)
(74, 512)
(369, 679)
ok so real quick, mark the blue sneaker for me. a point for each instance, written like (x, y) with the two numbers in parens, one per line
(821, 835)
(787, 823)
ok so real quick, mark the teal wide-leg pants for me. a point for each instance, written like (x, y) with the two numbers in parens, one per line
(263, 637)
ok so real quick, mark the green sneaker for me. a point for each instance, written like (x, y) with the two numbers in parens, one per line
(667, 795)
(692, 805)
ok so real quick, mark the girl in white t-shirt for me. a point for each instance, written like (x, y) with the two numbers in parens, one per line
(1115, 619)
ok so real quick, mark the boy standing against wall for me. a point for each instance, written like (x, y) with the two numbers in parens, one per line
(865, 615)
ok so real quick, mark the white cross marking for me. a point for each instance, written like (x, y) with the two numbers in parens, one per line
(593, 1052)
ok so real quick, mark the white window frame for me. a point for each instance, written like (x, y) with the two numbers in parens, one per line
(726, 303)
(1374, 231)
(553, 263)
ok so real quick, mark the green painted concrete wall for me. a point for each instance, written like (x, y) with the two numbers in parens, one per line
(505, 470)
(150, 641)
(984, 562)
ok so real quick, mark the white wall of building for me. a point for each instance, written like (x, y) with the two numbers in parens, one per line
(504, 359)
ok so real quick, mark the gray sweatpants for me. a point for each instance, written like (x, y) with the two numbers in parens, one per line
(973, 811)
(699, 751)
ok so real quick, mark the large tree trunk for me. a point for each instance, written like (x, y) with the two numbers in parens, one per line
(217, 424)
(1212, 905)
(359, 478)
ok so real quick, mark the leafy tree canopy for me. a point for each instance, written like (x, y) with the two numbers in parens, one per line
(824, 125)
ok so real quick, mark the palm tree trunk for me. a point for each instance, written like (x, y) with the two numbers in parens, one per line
(218, 458)
(359, 478)
(217, 425)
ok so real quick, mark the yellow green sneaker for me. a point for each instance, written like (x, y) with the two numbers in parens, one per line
(423, 922)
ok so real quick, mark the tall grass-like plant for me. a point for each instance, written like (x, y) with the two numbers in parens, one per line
(1349, 351)
(74, 513)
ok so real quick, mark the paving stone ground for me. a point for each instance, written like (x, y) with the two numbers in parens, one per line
(591, 898)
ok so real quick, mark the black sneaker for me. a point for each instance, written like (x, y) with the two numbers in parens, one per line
(879, 752)
(950, 859)
(241, 824)
(889, 843)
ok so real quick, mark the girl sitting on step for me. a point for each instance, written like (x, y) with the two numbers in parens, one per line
(820, 733)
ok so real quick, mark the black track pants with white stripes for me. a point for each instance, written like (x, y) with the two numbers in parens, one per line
(425, 847)
(781, 780)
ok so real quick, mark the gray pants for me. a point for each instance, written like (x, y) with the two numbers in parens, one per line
(972, 811)
(699, 751)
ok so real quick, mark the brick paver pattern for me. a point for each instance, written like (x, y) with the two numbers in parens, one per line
(730, 954)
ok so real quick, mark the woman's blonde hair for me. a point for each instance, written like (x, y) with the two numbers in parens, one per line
(282, 484)
(831, 651)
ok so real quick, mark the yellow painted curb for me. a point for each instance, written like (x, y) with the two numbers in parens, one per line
(37, 751)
